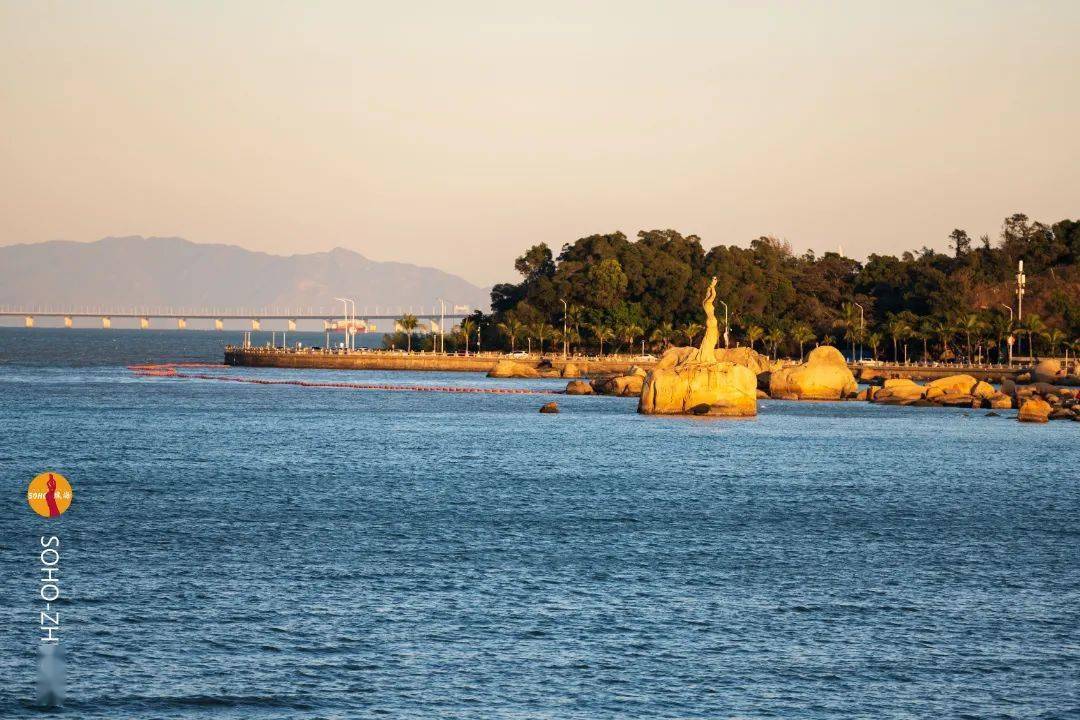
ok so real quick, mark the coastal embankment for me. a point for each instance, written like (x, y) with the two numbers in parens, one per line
(393, 360)
(608, 365)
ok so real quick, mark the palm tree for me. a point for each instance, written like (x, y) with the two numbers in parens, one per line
(898, 330)
(628, 332)
(661, 334)
(969, 324)
(691, 331)
(540, 331)
(775, 337)
(467, 329)
(874, 339)
(926, 331)
(753, 334)
(602, 332)
(408, 323)
(1000, 327)
(802, 334)
(1032, 325)
(512, 329)
(1053, 337)
(943, 330)
(851, 322)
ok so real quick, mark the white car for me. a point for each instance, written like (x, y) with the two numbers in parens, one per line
(518, 354)
(645, 358)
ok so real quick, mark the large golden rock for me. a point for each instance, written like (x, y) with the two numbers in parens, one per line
(621, 385)
(959, 385)
(1047, 371)
(511, 369)
(696, 381)
(578, 387)
(824, 376)
(571, 370)
(898, 391)
(1034, 410)
(716, 388)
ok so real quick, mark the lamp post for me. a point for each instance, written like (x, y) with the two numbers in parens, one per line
(1010, 340)
(348, 321)
(564, 340)
(862, 329)
(442, 319)
(726, 342)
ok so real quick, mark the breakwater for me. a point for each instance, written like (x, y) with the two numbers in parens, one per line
(389, 360)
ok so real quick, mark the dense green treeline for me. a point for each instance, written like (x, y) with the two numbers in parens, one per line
(619, 293)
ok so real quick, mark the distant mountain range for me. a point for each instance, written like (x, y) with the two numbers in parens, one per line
(157, 273)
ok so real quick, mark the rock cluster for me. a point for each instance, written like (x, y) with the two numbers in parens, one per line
(700, 381)
(511, 369)
(628, 385)
(951, 391)
(824, 376)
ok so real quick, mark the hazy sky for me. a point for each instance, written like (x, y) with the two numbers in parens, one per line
(457, 133)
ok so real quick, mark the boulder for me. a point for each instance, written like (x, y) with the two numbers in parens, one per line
(511, 369)
(637, 371)
(551, 407)
(716, 388)
(1034, 410)
(570, 370)
(621, 385)
(550, 373)
(898, 392)
(1023, 378)
(952, 385)
(698, 381)
(824, 376)
(1062, 414)
(748, 357)
(578, 387)
(1000, 401)
(957, 401)
(1008, 387)
(762, 395)
(1047, 371)
(993, 414)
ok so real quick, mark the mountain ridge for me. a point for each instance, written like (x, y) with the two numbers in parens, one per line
(172, 271)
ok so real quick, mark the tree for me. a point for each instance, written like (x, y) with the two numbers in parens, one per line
(969, 324)
(1053, 338)
(959, 242)
(628, 332)
(898, 330)
(408, 323)
(850, 321)
(467, 328)
(662, 333)
(1032, 325)
(1000, 327)
(874, 339)
(602, 332)
(802, 334)
(540, 331)
(512, 328)
(691, 331)
(774, 338)
(753, 334)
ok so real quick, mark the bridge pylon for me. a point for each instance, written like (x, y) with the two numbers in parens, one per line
(144, 323)
(106, 322)
(28, 321)
(181, 323)
(219, 324)
(68, 322)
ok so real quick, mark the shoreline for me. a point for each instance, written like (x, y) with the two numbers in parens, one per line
(589, 366)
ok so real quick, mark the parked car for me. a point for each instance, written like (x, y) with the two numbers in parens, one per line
(518, 354)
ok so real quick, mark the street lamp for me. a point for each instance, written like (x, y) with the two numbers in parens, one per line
(1010, 341)
(564, 340)
(726, 343)
(442, 319)
(862, 330)
(348, 321)
(1021, 283)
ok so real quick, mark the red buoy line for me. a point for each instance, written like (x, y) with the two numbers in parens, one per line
(170, 370)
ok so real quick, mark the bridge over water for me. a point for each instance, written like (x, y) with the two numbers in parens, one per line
(432, 319)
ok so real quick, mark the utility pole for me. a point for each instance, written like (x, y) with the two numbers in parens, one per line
(565, 343)
(1009, 341)
(1021, 282)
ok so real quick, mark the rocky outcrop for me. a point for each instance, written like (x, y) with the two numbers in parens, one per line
(571, 370)
(898, 391)
(1047, 371)
(551, 407)
(1034, 410)
(824, 376)
(1000, 401)
(696, 381)
(621, 385)
(578, 387)
(700, 388)
(511, 369)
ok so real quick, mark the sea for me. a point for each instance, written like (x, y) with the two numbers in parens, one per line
(249, 550)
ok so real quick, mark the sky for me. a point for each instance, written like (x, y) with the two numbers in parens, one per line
(458, 134)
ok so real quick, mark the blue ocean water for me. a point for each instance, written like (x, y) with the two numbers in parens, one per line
(247, 551)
